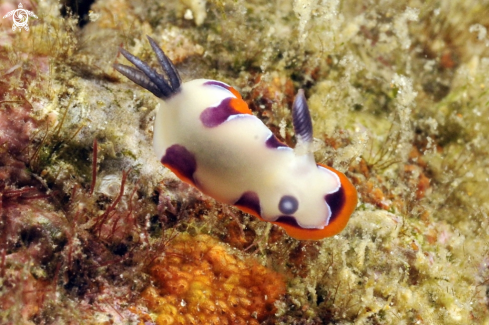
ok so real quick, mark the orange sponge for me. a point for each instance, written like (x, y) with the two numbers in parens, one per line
(199, 282)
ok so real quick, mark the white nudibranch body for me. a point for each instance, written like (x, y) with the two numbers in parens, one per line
(206, 134)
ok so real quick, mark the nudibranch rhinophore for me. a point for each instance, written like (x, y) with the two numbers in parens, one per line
(205, 133)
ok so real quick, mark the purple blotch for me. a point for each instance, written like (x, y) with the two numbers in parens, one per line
(336, 202)
(179, 158)
(288, 204)
(214, 116)
(216, 83)
(288, 220)
(274, 143)
(251, 201)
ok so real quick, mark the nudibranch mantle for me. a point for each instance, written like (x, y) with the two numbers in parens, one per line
(205, 133)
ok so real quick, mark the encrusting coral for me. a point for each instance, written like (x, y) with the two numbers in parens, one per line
(198, 281)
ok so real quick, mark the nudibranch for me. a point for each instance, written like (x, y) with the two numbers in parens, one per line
(205, 133)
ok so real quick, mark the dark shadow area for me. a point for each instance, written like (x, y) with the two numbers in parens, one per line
(79, 8)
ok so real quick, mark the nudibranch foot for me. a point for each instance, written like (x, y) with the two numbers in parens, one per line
(206, 134)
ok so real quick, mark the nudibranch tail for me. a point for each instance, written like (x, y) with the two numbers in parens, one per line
(301, 118)
(147, 77)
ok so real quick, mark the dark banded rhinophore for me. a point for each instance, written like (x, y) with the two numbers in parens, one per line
(205, 133)
(301, 118)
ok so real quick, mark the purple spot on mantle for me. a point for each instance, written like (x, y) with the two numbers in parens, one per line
(217, 83)
(249, 200)
(336, 202)
(288, 220)
(180, 160)
(288, 204)
(214, 116)
(274, 143)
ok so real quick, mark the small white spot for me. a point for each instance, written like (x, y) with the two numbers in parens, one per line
(93, 16)
(188, 15)
(287, 205)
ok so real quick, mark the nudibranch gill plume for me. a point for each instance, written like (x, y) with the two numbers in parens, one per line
(205, 133)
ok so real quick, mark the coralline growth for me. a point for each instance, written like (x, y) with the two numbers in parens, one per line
(198, 281)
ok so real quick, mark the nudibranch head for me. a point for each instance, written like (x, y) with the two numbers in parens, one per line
(206, 134)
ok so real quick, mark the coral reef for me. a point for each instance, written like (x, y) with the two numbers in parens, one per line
(199, 282)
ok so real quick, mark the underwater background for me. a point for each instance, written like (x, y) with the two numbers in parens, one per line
(94, 230)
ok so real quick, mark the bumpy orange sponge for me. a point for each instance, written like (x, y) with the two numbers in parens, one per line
(199, 282)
